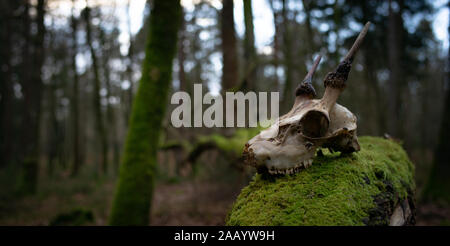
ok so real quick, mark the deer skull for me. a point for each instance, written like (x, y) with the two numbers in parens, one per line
(290, 144)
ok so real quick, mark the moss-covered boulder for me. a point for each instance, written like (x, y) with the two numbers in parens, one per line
(372, 187)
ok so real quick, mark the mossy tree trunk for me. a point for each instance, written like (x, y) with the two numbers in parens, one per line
(131, 205)
(372, 187)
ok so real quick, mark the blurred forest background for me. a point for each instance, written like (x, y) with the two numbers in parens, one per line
(70, 71)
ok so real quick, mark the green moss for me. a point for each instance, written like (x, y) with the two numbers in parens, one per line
(234, 144)
(335, 190)
(131, 205)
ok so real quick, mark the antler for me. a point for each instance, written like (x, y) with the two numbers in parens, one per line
(351, 53)
(316, 122)
(334, 82)
(306, 88)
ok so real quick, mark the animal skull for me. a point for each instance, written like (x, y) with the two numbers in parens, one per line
(290, 144)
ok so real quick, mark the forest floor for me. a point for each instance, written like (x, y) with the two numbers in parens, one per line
(193, 204)
(184, 203)
(203, 198)
(433, 215)
(190, 201)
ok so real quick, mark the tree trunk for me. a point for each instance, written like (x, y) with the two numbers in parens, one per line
(6, 85)
(373, 88)
(249, 48)
(52, 144)
(100, 127)
(26, 65)
(195, 49)
(439, 183)
(229, 52)
(130, 71)
(131, 205)
(75, 95)
(181, 55)
(110, 115)
(287, 100)
(276, 45)
(309, 31)
(396, 77)
(32, 97)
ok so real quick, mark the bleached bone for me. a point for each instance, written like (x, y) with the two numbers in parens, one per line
(290, 144)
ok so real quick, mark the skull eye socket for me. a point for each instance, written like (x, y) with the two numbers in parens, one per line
(314, 124)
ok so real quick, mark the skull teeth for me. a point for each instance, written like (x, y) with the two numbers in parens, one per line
(307, 163)
(300, 166)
